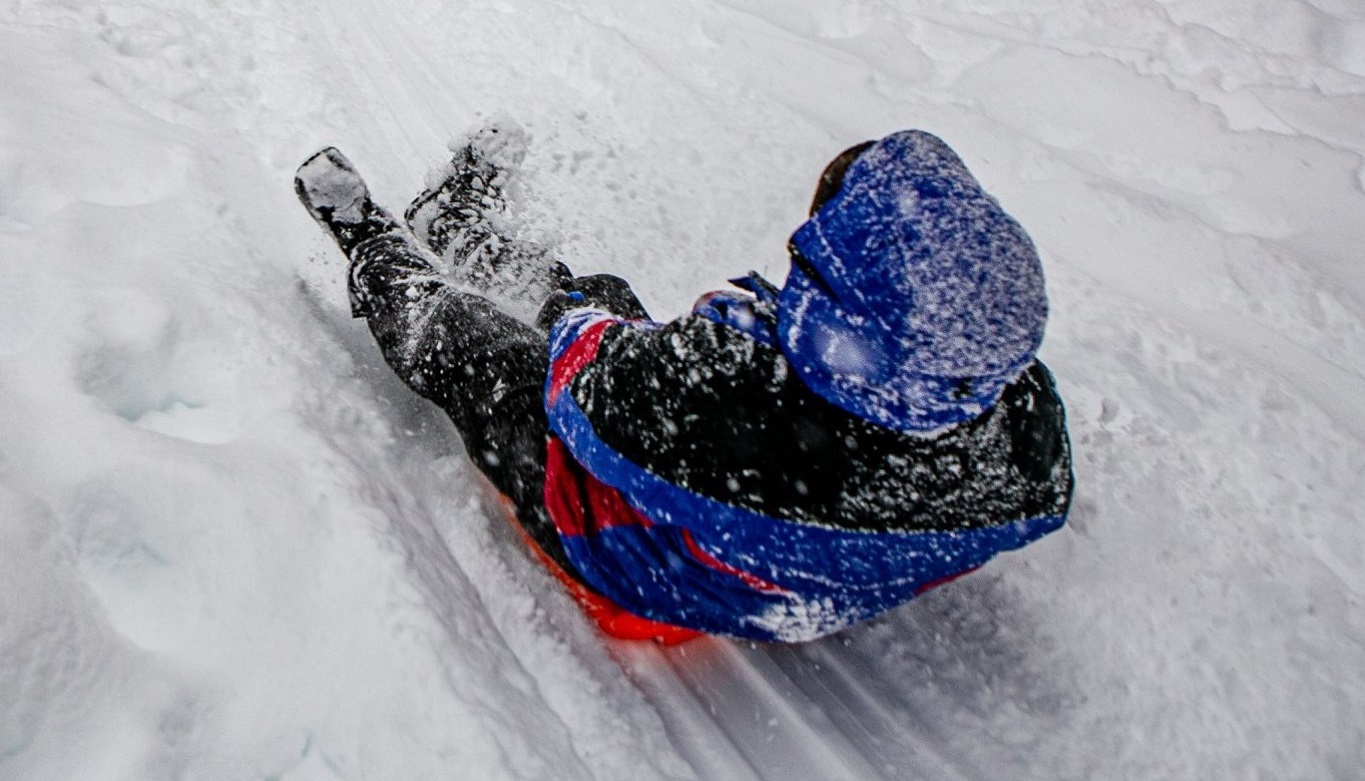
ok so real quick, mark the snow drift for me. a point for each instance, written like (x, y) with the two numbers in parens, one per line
(232, 546)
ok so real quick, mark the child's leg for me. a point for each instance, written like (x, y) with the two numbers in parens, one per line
(453, 347)
(484, 368)
(455, 219)
(464, 221)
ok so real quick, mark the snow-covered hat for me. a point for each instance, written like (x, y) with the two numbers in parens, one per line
(913, 298)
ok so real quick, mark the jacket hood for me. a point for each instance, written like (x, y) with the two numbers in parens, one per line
(913, 299)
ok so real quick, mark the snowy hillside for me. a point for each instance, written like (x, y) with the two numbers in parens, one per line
(233, 546)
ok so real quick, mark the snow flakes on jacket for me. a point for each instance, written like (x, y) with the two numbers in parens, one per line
(782, 465)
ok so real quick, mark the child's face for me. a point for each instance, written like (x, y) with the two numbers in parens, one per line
(833, 176)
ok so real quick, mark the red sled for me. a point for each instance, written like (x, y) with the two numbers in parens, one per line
(610, 617)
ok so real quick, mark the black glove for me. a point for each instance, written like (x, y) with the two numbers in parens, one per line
(597, 291)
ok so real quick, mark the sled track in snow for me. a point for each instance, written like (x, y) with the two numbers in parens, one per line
(234, 546)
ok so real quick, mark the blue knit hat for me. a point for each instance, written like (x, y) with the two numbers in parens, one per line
(913, 298)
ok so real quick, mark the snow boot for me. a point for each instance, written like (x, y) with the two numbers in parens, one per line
(460, 218)
(464, 220)
(333, 192)
(383, 255)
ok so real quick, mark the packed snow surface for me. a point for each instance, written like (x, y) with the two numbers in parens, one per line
(233, 546)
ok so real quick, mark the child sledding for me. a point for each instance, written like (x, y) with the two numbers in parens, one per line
(777, 464)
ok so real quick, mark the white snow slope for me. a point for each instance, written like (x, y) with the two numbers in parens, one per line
(233, 546)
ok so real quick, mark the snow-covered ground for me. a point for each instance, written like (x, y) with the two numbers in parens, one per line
(232, 546)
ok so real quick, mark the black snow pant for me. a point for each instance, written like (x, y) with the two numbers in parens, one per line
(483, 367)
